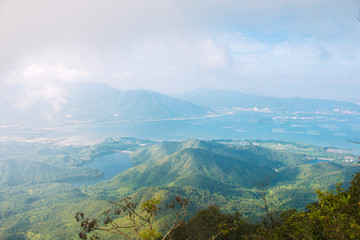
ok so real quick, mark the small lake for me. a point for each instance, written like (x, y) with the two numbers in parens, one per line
(110, 164)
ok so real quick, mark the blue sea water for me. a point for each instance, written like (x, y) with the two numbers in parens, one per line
(323, 130)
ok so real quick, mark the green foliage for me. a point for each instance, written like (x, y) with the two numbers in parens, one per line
(48, 153)
(14, 172)
(24, 162)
(124, 220)
(150, 206)
(206, 172)
(129, 221)
(148, 234)
(334, 216)
(211, 223)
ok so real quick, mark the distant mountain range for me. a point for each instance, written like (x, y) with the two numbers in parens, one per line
(64, 102)
(82, 101)
(212, 98)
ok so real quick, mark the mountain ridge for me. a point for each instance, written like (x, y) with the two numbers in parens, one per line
(200, 164)
(217, 98)
(77, 102)
(61, 102)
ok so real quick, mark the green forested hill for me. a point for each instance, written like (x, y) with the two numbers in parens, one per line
(35, 205)
(231, 171)
(199, 164)
(14, 172)
(210, 165)
(31, 163)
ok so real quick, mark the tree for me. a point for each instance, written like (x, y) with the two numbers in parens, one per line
(131, 221)
(335, 216)
(211, 223)
(263, 190)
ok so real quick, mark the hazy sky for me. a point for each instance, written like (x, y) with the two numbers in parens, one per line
(308, 48)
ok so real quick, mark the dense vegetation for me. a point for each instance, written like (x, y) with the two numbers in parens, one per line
(334, 216)
(41, 205)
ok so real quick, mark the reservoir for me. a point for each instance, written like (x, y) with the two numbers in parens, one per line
(110, 164)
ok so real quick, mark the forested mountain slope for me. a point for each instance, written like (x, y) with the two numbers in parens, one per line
(35, 201)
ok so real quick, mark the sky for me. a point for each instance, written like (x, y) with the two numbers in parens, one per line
(283, 48)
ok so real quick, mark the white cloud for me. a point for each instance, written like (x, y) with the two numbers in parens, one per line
(58, 71)
(125, 74)
(49, 94)
(180, 45)
(212, 55)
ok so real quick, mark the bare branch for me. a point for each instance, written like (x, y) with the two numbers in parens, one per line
(141, 219)
(180, 216)
(263, 190)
